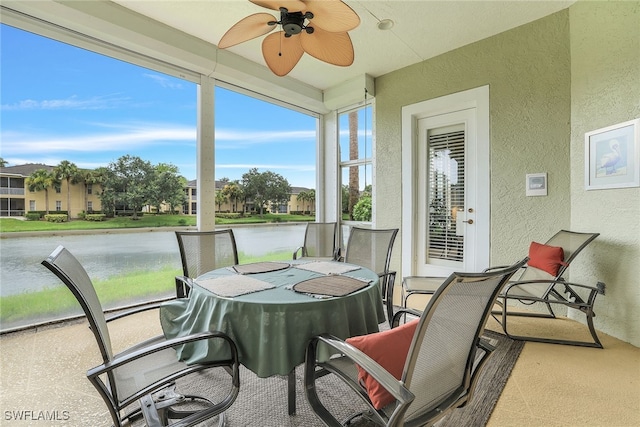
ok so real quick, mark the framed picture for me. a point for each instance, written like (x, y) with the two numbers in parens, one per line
(612, 156)
(536, 184)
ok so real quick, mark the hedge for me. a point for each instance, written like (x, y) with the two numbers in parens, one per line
(56, 218)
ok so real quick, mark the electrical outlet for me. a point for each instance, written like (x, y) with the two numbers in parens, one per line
(600, 286)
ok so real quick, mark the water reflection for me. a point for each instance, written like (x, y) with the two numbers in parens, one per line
(107, 254)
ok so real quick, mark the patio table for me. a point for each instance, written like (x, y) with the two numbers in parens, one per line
(270, 321)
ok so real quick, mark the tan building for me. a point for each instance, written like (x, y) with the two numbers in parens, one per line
(16, 199)
(294, 205)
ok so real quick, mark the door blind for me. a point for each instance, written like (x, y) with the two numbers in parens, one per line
(446, 194)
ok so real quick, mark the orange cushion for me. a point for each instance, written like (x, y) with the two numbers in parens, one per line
(546, 258)
(389, 349)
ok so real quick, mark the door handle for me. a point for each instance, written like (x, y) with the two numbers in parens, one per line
(469, 221)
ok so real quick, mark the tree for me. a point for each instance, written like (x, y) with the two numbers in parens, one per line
(354, 178)
(308, 197)
(233, 191)
(220, 199)
(107, 195)
(311, 200)
(362, 209)
(167, 186)
(302, 198)
(177, 197)
(265, 187)
(42, 179)
(68, 172)
(128, 181)
(87, 177)
(3, 162)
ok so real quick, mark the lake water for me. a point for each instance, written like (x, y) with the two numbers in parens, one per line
(106, 254)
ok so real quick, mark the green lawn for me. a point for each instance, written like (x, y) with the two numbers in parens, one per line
(9, 225)
(58, 302)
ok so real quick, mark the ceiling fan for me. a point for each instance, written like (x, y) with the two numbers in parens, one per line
(317, 27)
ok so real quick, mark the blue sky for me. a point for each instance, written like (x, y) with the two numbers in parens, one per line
(59, 102)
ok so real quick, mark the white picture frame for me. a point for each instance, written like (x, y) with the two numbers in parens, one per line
(536, 184)
(612, 156)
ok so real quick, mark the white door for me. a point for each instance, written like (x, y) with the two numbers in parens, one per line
(448, 227)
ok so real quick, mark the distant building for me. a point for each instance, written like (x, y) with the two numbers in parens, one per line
(16, 199)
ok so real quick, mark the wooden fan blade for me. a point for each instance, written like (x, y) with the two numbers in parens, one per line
(332, 15)
(247, 28)
(291, 5)
(281, 53)
(334, 48)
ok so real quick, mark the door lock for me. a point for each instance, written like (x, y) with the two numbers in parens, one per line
(469, 221)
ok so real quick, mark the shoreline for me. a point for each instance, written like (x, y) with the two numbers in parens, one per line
(16, 234)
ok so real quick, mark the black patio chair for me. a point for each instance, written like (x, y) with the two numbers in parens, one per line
(202, 251)
(444, 355)
(147, 371)
(319, 241)
(371, 248)
(542, 286)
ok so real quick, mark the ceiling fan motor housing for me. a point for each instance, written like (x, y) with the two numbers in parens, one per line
(293, 22)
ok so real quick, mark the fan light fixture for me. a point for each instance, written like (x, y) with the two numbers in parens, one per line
(317, 27)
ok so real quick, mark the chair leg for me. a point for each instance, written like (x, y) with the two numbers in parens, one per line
(595, 344)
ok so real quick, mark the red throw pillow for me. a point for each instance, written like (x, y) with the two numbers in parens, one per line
(546, 258)
(389, 349)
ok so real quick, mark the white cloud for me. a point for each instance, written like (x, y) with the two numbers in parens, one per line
(117, 137)
(263, 167)
(122, 137)
(234, 139)
(164, 81)
(73, 102)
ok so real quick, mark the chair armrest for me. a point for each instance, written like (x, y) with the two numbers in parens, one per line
(402, 394)
(137, 310)
(128, 357)
(402, 312)
(499, 267)
(295, 253)
(549, 284)
(183, 286)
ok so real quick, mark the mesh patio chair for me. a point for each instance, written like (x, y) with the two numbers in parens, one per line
(202, 251)
(146, 372)
(319, 241)
(542, 285)
(436, 372)
(371, 249)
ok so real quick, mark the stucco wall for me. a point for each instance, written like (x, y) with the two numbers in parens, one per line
(550, 82)
(605, 90)
(528, 72)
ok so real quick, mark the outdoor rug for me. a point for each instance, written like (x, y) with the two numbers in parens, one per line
(263, 401)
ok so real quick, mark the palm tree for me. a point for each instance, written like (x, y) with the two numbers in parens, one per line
(354, 179)
(40, 180)
(220, 199)
(311, 198)
(233, 191)
(302, 198)
(67, 171)
(87, 177)
(3, 162)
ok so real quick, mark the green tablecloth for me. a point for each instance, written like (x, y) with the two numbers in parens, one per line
(271, 327)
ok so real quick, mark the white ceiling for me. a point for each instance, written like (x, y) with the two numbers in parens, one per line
(422, 30)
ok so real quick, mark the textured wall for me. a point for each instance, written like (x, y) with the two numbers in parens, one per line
(528, 71)
(605, 90)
